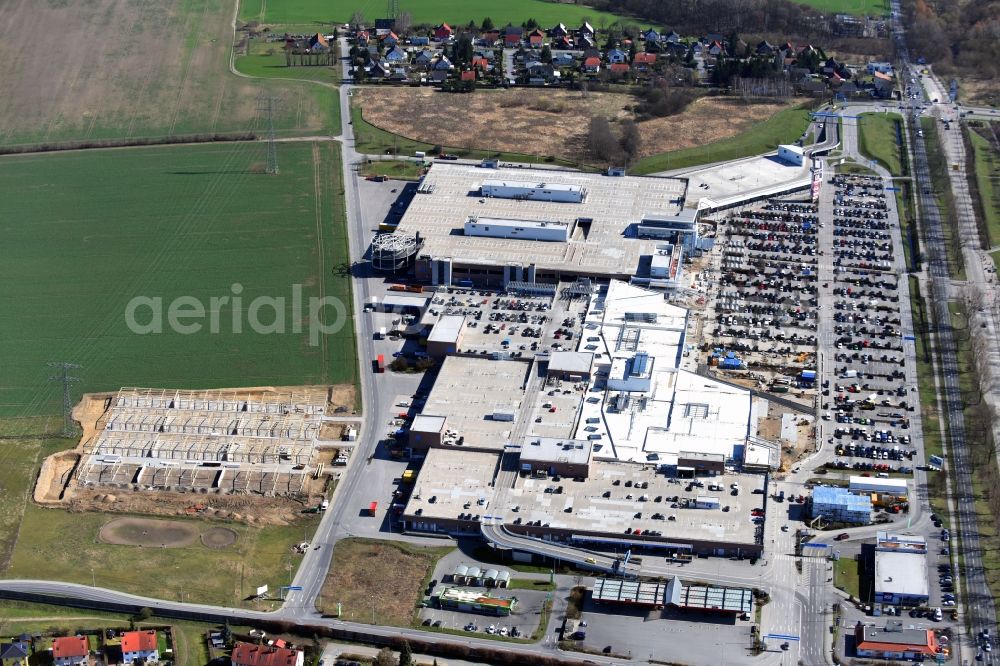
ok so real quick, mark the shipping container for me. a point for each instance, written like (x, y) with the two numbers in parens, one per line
(380, 363)
(372, 508)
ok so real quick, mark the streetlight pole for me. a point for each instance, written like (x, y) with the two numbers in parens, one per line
(372, 596)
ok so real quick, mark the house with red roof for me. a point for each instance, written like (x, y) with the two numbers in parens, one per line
(619, 68)
(592, 64)
(512, 35)
(140, 647)
(249, 654)
(443, 32)
(468, 75)
(894, 642)
(70, 651)
(644, 61)
(536, 37)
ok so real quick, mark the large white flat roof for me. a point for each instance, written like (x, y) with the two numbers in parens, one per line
(602, 247)
(501, 222)
(901, 573)
(447, 329)
(469, 390)
(561, 187)
(682, 412)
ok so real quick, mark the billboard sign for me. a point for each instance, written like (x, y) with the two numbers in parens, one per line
(262, 590)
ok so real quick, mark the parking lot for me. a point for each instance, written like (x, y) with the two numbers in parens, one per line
(865, 393)
(686, 636)
(765, 311)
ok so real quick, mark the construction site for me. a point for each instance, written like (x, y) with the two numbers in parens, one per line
(267, 443)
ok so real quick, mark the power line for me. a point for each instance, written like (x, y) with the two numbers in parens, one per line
(266, 104)
(66, 380)
(392, 10)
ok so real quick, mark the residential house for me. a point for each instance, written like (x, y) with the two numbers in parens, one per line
(396, 55)
(512, 36)
(249, 654)
(481, 63)
(398, 74)
(547, 75)
(443, 32)
(443, 64)
(716, 48)
(617, 56)
(671, 37)
(884, 67)
(764, 48)
(714, 37)
(563, 59)
(592, 65)
(541, 70)
(884, 84)
(70, 651)
(559, 31)
(386, 24)
(586, 42)
(424, 59)
(536, 37)
(468, 75)
(378, 70)
(362, 37)
(439, 76)
(620, 68)
(489, 37)
(140, 647)
(420, 40)
(831, 67)
(318, 44)
(390, 39)
(562, 44)
(643, 62)
(14, 653)
(651, 35)
(586, 30)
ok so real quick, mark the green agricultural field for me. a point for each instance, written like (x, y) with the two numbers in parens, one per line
(783, 127)
(143, 68)
(86, 232)
(19, 461)
(877, 140)
(856, 7)
(455, 12)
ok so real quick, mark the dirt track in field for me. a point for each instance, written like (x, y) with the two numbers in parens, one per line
(511, 120)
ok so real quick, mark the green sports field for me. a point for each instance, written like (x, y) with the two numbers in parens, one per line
(85, 232)
(455, 12)
(856, 7)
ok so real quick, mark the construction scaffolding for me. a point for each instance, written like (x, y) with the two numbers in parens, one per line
(252, 401)
(253, 441)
